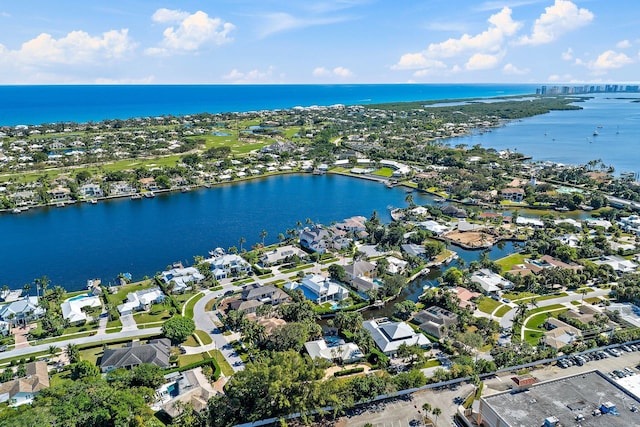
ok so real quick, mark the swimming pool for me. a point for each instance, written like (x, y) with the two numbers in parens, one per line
(77, 297)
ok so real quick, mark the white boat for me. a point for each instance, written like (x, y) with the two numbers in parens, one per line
(149, 195)
(16, 211)
(60, 205)
(595, 133)
(136, 197)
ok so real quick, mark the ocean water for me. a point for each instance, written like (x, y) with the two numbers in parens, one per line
(568, 136)
(45, 104)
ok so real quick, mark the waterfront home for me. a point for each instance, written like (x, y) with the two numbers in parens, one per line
(148, 183)
(435, 320)
(414, 250)
(320, 239)
(72, 309)
(319, 289)
(59, 194)
(91, 190)
(490, 282)
(354, 224)
(513, 194)
(389, 336)
(529, 222)
(454, 211)
(181, 278)
(396, 265)
(9, 295)
(598, 223)
(337, 351)
(361, 275)
(466, 297)
(21, 311)
(141, 300)
(121, 188)
(228, 265)
(23, 390)
(399, 169)
(434, 227)
(156, 352)
(280, 254)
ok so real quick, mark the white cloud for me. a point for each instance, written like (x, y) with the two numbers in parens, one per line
(559, 78)
(623, 44)
(482, 61)
(76, 48)
(252, 76)
(495, 5)
(278, 22)
(564, 16)
(609, 60)
(482, 50)
(512, 69)
(124, 81)
(336, 72)
(191, 32)
(567, 55)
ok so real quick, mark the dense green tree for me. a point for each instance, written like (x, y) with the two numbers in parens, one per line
(84, 369)
(403, 310)
(337, 272)
(178, 328)
(147, 375)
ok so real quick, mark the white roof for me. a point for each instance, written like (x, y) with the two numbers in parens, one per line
(389, 336)
(344, 351)
(72, 309)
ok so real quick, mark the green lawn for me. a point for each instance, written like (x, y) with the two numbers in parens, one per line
(533, 337)
(552, 307)
(158, 313)
(299, 268)
(431, 363)
(487, 305)
(186, 359)
(191, 342)
(188, 311)
(227, 370)
(204, 337)
(120, 296)
(385, 172)
(518, 295)
(508, 262)
(538, 320)
(502, 311)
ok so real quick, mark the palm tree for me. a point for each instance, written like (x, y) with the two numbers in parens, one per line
(437, 412)
(241, 240)
(263, 234)
(281, 237)
(73, 353)
(53, 350)
(26, 288)
(426, 407)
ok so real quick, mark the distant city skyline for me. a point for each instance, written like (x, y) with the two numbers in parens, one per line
(323, 41)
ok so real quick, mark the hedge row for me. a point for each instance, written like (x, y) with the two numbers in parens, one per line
(210, 361)
(348, 372)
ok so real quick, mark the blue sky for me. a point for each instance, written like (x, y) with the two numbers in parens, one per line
(318, 41)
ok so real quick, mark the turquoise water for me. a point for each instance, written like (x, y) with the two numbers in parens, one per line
(78, 297)
(44, 104)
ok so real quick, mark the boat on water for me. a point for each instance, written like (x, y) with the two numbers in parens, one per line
(596, 133)
(562, 209)
(92, 201)
(217, 252)
(60, 205)
(16, 211)
(149, 195)
(136, 196)
(439, 200)
(185, 189)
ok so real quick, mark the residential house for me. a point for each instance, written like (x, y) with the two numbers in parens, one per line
(121, 188)
(434, 320)
(620, 265)
(355, 224)
(148, 183)
(59, 194)
(466, 297)
(389, 336)
(280, 254)
(396, 265)
(156, 352)
(490, 282)
(630, 224)
(454, 211)
(434, 227)
(414, 250)
(560, 333)
(189, 388)
(529, 222)
(9, 295)
(21, 311)
(72, 309)
(513, 194)
(361, 275)
(141, 300)
(182, 278)
(23, 390)
(336, 351)
(228, 265)
(319, 289)
(319, 239)
(91, 190)
(255, 295)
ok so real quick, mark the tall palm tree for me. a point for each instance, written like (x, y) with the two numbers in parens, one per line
(242, 240)
(437, 412)
(26, 288)
(263, 234)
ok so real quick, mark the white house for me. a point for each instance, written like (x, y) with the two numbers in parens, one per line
(228, 265)
(490, 281)
(141, 300)
(72, 308)
(279, 254)
(339, 350)
(389, 336)
(21, 311)
(181, 277)
(319, 289)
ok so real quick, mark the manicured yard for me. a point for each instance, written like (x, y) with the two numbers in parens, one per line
(386, 172)
(502, 311)
(507, 263)
(487, 305)
(120, 296)
(186, 359)
(431, 363)
(188, 310)
(204, 337)
(299, 268)
(543, 309)
(158, 313)
(227, 370)
(538, 320)
(191, 342)
(518, 295)
(533, 337)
